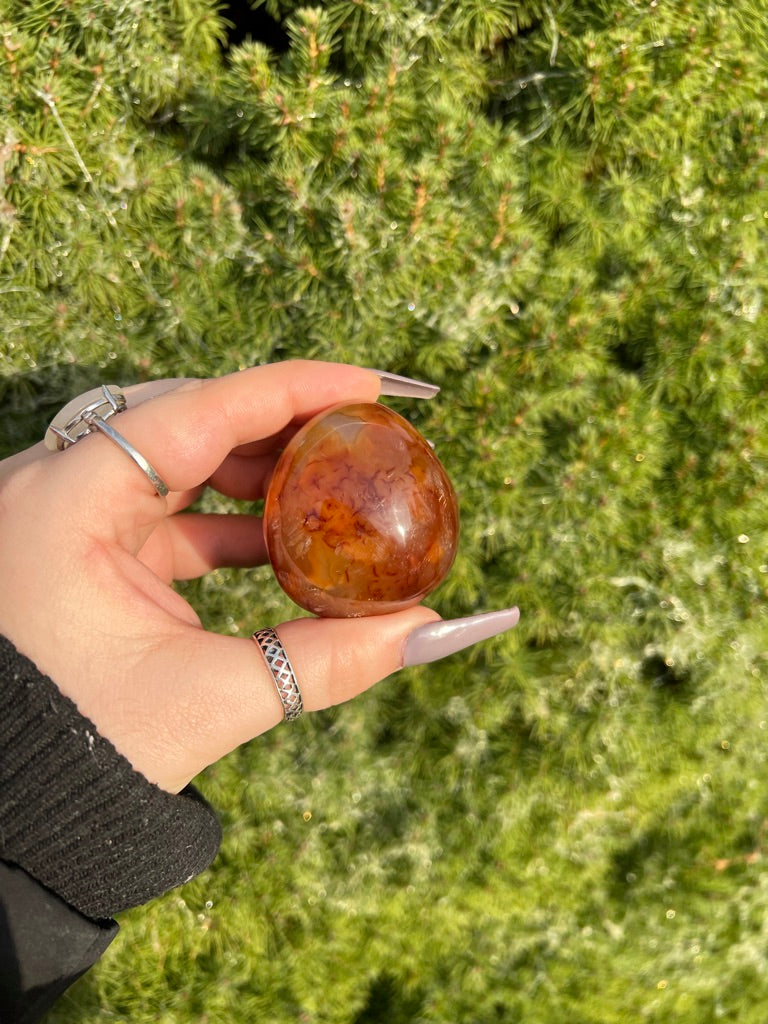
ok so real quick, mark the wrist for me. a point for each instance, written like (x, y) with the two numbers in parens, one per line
(75, 814)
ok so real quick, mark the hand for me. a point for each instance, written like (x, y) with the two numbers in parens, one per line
(88, 550)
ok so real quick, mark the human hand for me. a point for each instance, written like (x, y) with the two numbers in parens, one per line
(88, 550)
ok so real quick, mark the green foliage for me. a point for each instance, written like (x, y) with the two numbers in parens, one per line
(557, 212)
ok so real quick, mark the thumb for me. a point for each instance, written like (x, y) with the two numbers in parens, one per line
(228, 693)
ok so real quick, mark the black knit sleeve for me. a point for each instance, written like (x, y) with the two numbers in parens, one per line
(76, 816)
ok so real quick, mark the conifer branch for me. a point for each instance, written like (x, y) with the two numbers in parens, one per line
(6, 240)
(101, 202)
(51, 104)
(555, 35)
(7, 212)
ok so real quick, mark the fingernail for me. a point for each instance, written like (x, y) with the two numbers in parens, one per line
(395, 386)
(439, 639)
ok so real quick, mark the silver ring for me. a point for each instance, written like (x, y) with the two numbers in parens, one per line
(90, 412)
(71, 423)
(285, 679)
(97, 423)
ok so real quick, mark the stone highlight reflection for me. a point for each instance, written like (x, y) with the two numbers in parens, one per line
(360, 517)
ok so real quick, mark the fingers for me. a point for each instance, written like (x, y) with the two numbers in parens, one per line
(226, 694)
(187, 433)
(184, 430)
(336, 659)
(244, 477)
(190, 545)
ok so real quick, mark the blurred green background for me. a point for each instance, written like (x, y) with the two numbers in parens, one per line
(556, 211)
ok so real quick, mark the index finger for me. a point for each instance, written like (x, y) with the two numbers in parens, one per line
(188, 432)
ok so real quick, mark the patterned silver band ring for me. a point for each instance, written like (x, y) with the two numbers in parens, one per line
(278, 664)
(97, 423)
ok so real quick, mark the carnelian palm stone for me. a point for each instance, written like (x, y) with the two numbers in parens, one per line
(360, 517)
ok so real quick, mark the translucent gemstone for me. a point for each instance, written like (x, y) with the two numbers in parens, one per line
(360, 517)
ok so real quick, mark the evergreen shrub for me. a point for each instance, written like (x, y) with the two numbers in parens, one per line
(557, 211)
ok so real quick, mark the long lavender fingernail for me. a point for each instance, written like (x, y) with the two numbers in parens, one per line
(439, 639)
(395, 386)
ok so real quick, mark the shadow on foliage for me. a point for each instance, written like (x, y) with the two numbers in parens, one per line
(662, 675)
(248, 25)
(649, 853)
(388, 1003)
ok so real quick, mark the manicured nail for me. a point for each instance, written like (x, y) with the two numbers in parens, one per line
(395, 386)
(439, 639)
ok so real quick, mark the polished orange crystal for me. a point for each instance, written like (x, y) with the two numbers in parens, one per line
(360, 517)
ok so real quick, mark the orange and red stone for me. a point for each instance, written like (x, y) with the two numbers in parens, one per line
(360, 517)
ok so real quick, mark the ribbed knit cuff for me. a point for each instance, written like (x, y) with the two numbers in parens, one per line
(76, 816)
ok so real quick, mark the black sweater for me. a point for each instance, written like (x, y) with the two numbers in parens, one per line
(83, 836)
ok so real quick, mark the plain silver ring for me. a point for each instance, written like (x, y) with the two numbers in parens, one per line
(288, 691)
(97, 423)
